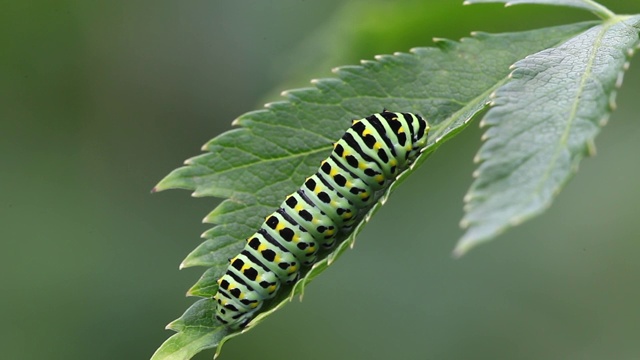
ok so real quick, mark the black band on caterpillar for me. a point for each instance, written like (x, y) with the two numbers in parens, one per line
(367, 159)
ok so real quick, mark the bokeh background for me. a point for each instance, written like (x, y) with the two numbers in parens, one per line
(100, 99)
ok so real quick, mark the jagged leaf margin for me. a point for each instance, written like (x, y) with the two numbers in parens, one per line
(589, 5)
(448, 85)
(542, 123)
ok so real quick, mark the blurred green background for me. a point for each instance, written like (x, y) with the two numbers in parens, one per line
(100, 99)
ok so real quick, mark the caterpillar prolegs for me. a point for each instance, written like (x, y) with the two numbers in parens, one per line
(367, 159)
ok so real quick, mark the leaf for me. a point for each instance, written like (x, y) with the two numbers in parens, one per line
(269, 156)
(543, 122)
(589, 5)
(196, 332)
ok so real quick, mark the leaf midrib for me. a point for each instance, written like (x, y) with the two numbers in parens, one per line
(562, 144)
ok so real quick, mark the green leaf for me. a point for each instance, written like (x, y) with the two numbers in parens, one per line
(207, 285)
(589, 5)
(543, 122)
(269, 156)
(196, 332)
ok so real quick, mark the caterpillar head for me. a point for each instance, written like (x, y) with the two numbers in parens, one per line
(419, 139)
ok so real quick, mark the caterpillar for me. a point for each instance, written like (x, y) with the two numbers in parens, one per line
(366, 160)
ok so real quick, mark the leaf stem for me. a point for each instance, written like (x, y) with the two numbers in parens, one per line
(599, 10)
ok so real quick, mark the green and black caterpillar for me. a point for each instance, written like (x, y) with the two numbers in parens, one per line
(366, 160)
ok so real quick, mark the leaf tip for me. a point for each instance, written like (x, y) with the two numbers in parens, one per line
(461, 249)
(620, 77)
(612, 102)
(604, 121)
(591, 147)
(164, 184)
(192, 292)
(171, 326)
(444, 44)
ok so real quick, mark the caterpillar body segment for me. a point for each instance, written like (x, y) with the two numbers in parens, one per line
(364, 161)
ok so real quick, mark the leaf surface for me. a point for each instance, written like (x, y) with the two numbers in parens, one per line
(273, 150)
(542, 124)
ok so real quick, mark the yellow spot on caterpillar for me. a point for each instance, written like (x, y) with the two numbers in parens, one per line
(296, 238)
(241, 296)
(377, 145)
(401, 131)
(253, 305)
(262, 247)
(364, 195)
(353, 122)
(277, 258)
(366, 132)
(333, 172)
(270, 289)
(379, 178)
(393, 162)
(330, 232)
(280, 226)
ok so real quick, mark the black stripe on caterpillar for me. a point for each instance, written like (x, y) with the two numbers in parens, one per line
(367, 159)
